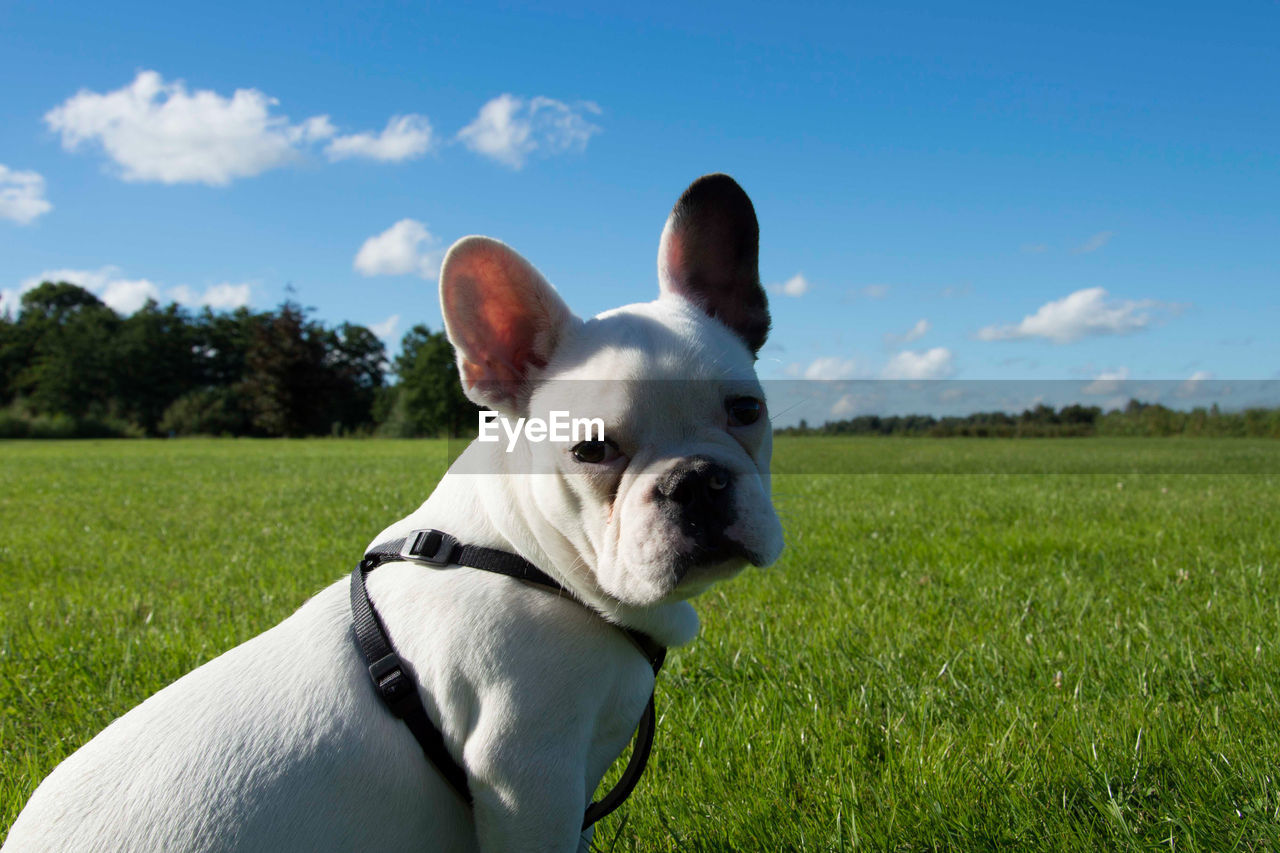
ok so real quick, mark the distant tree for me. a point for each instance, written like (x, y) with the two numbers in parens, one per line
(218, 410)
(430, 399)
(355, 362)
(221, 343)
(154, 362)
(286, 379)
(64, 336)
(13, 357)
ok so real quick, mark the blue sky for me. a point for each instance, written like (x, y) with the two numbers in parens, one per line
(994, 192)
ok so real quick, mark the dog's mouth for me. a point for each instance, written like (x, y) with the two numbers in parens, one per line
(720, 551)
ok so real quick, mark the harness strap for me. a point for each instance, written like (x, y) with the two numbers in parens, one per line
(393, 684)
(400, 695)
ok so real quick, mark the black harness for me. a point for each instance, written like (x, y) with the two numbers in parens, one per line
(400, 695)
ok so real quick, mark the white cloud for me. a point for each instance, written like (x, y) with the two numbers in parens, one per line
(403, 249)
(1081, 314)
(795, 286)
(1193, 385)
(155, 130)
(219, 297)
(226, 295)
(122, 294)
(828, 367)
(1034, 248)
(94, 280)
(158, 131)
(387, 328)
(22, 196)
(845, 406)
(508, 129)
(1106, 382)
(915, 333)
(127, 295)
(1094, 243)
(930, 364)
(404, 138)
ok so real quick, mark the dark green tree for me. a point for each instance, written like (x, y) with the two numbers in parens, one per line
(355, 362)
(154, 361)
(430, 399)
(286, 377)
(63, 338)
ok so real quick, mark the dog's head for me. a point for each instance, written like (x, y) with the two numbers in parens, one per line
(676, 494)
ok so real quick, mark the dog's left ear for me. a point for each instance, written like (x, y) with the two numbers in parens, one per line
(504, 319)
(710, 256)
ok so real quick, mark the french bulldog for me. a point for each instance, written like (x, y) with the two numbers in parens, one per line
(281, 744)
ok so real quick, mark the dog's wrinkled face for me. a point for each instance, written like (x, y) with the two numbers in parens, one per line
(676, 496)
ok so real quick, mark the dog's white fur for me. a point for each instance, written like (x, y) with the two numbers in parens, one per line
(281, 744)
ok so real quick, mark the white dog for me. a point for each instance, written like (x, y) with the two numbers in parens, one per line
(282, 743)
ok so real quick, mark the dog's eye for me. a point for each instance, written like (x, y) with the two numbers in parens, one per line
(595, 452)
(744, 411)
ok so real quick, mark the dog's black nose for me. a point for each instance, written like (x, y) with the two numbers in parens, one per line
(698, 493)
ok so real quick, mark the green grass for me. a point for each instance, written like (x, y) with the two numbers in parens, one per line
(968, 661)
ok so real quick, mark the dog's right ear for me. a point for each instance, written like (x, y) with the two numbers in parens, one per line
(504, 319)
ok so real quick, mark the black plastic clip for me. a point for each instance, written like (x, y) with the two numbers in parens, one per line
(392, 683)
(433, 547)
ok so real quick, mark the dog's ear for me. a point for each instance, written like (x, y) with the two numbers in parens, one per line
(709, 255)
(504, 319)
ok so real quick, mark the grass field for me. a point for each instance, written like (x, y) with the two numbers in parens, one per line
(967, 661)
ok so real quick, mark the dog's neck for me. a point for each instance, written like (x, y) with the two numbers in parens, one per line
(467, 505)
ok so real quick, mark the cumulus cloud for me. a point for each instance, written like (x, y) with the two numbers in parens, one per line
(404, 138)
(126, 295)
(122, 294)
(22, 196)
(795, 286)
(1083, 313)
(158, 131)
(406, 248)
(827, 367)
(387, 328)
(509, 129)
(1094, 243)
(930, 364)
(1106, 382)
(94, 280)
(844, 407)
(220, 297)
(1194, 384)
(915, 333)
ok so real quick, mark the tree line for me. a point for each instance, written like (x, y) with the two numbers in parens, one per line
(71, 366)
(1136, 418)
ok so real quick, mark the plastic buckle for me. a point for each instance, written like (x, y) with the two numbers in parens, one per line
(393, 685)
(433, 547)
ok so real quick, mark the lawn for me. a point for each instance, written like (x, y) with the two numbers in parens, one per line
(1054, 645)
